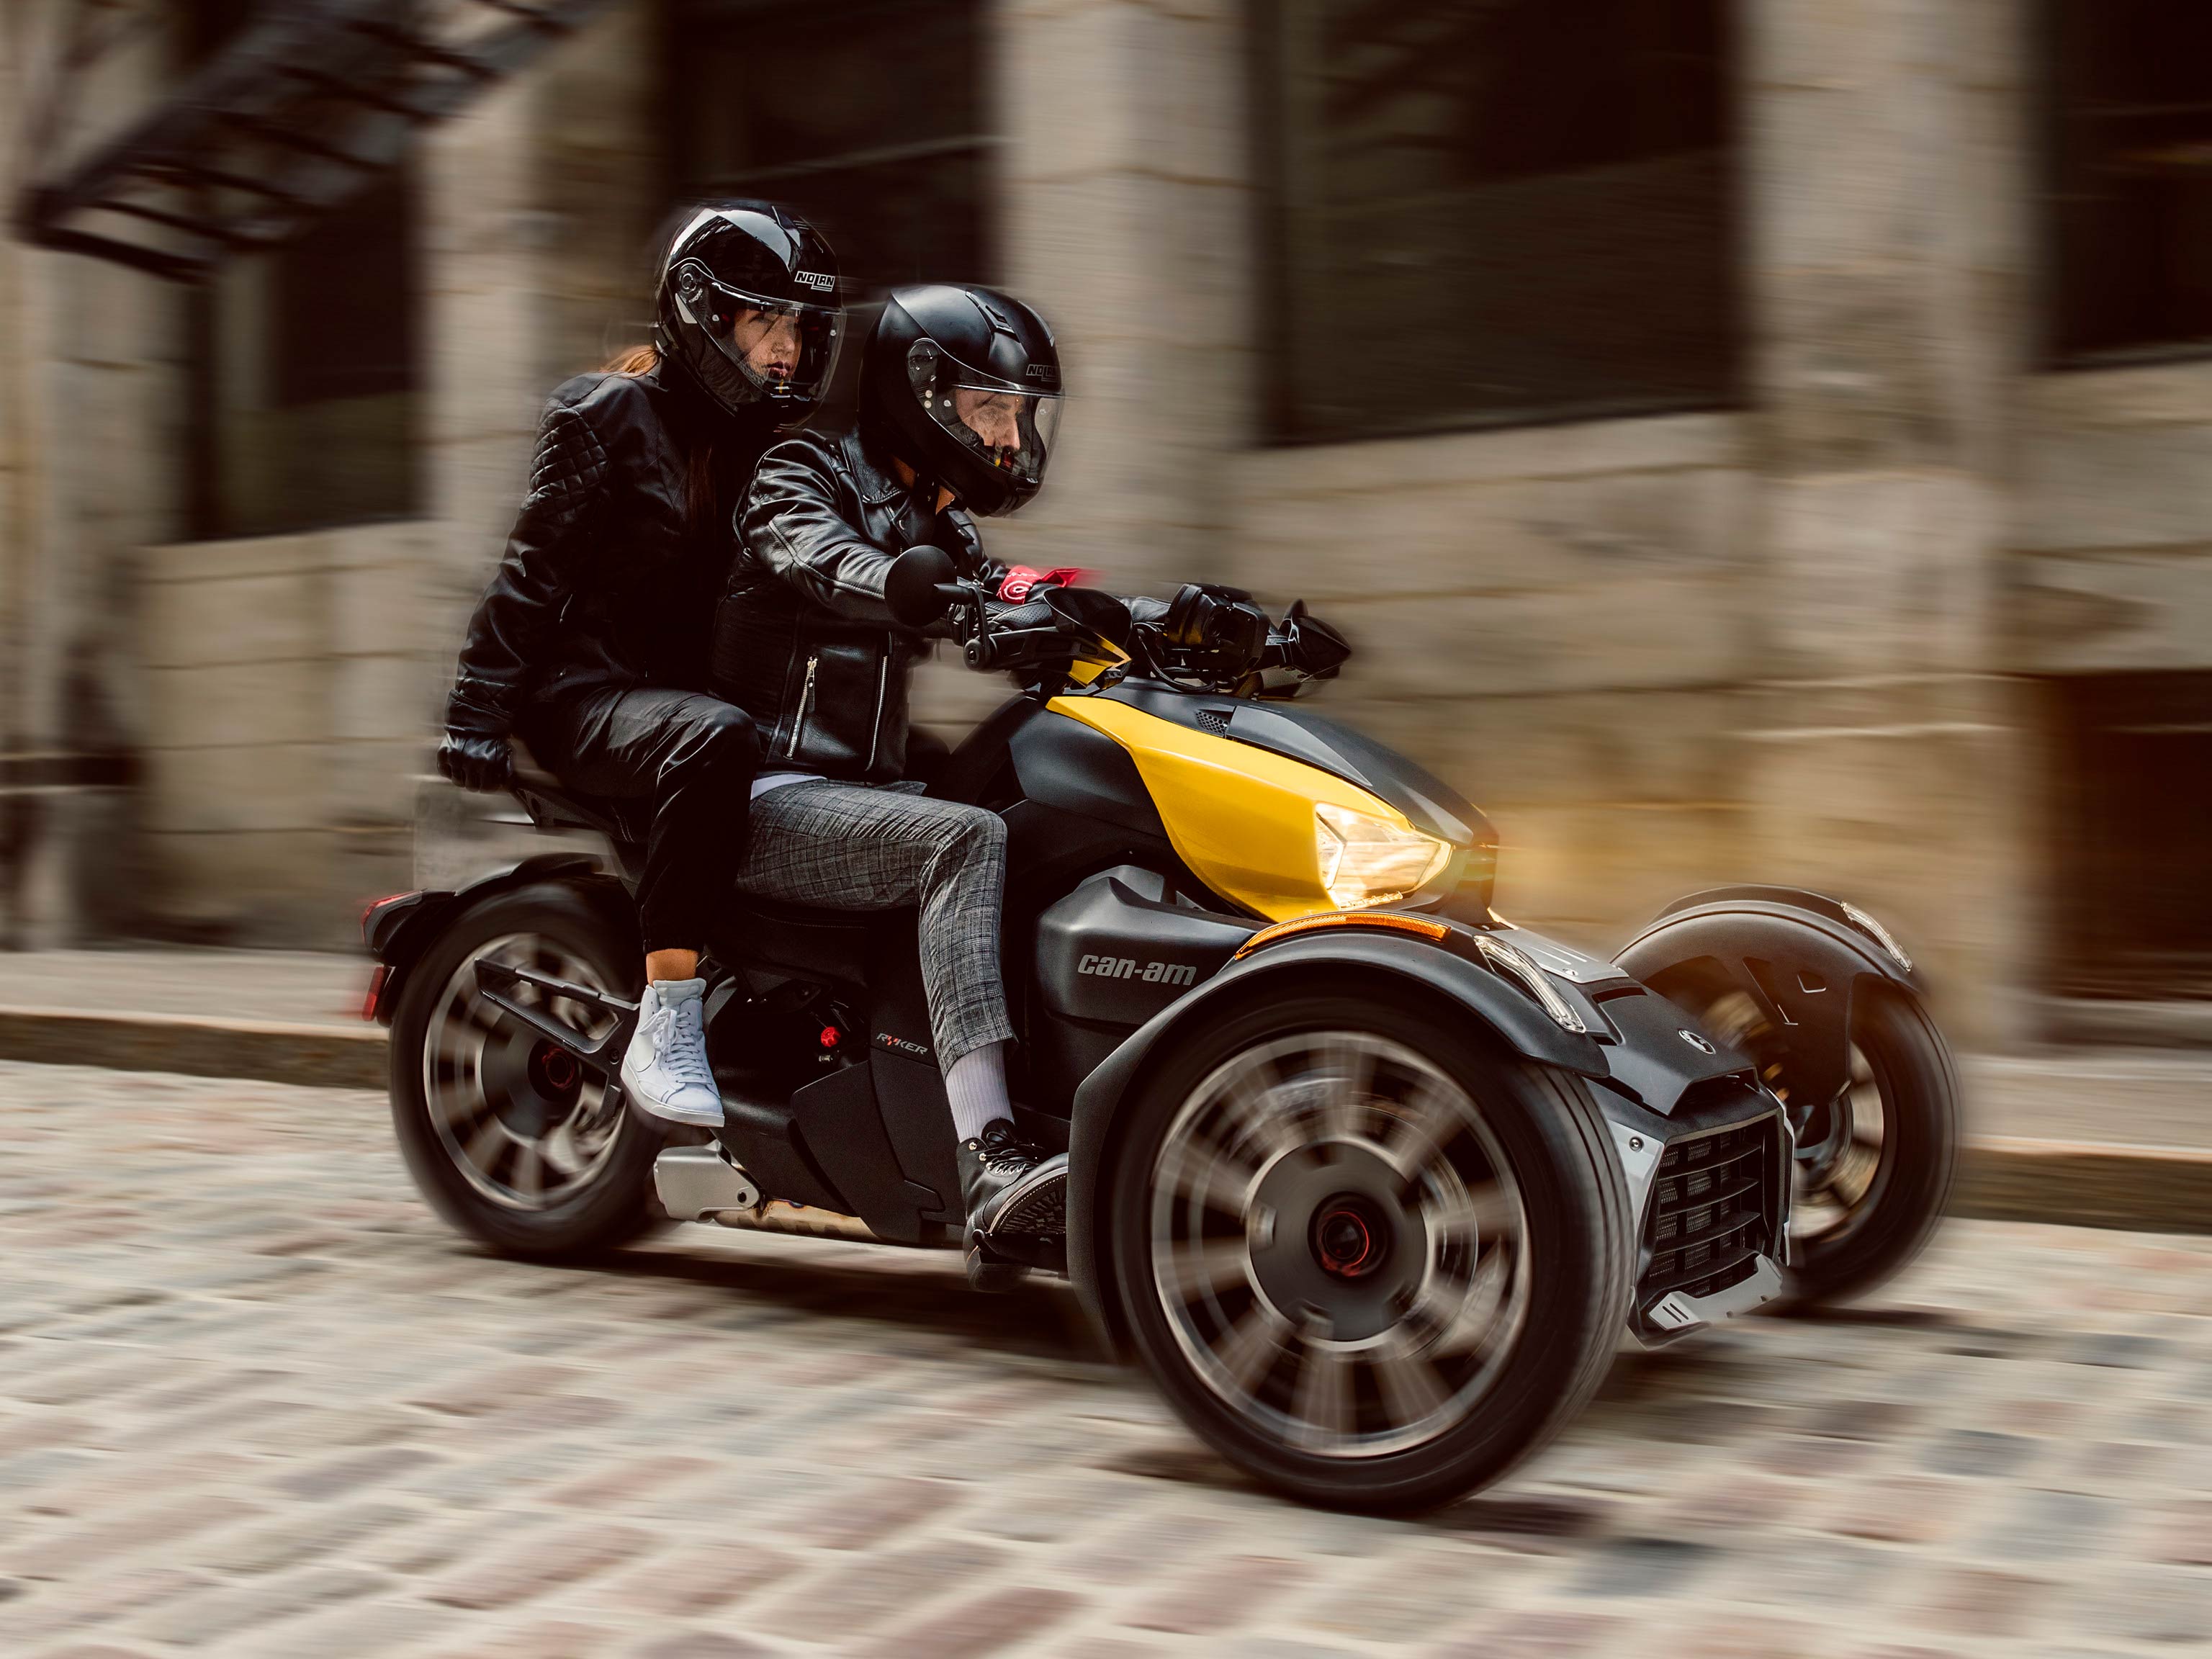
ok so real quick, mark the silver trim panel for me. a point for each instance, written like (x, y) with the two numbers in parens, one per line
(1676, 1315)
(696, 1183)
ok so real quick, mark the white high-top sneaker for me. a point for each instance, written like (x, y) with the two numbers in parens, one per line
(664, 1070)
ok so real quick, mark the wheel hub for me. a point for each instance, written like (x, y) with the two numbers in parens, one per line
(1341, 1248)
(1349, 1240)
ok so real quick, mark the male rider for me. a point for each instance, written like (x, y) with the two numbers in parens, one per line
(959, 393)
(593, 638)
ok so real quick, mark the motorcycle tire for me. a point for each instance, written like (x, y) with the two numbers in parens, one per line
(505, 1086)
(1535, 1156)
(1907, 1061)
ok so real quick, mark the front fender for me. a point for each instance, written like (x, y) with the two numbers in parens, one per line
(1423, 969)
(1799, 956)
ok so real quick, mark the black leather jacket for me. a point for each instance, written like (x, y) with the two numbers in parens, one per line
(605, 580)
(804, 642)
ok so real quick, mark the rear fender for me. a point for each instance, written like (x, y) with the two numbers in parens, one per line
(397, 930)
(1421, 970)
(1800, 957)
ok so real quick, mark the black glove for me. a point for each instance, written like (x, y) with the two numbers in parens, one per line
(482, 761)
(475, 753)
(1307, 645)
(1222, 621)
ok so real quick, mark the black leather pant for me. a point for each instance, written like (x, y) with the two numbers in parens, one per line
(693, 757)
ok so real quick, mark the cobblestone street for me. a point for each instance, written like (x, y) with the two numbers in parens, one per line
(254, 1399)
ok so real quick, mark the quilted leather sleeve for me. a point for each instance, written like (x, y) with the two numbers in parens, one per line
(569, 476)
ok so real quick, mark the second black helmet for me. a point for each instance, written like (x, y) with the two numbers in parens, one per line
(749, 305)
(962, 384)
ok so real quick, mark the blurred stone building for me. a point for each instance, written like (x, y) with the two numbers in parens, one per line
(1756, 440)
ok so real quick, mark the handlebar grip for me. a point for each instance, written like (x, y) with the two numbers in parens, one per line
(1035, 613)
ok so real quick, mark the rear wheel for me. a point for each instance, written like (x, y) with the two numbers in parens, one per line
(1875, 1163)
(508, 1138)
(1367, 1261)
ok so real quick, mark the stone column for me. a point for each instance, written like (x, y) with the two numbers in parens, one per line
(1122, 215)
(1125, 218)
(1886, 149)
(538, 200)
(93, 398)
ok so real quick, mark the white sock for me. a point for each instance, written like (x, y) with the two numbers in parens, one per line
(976, 1085)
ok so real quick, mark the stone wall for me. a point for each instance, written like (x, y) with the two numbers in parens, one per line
(284, 724)
(1787, 642)
(2112, 526)
(1558, 621)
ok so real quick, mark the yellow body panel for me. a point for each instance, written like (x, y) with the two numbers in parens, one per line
(1241, 818)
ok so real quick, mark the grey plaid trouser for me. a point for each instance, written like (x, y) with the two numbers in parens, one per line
(878, 847)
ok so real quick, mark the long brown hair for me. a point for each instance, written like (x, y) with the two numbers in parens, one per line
(702, 505)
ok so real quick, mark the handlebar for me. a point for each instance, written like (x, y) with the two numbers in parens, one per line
(924, 589)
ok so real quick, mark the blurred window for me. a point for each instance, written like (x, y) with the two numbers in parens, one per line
(1488, 212)
(2134, 816)
(864, 116)
(2130, 183)
(301, 368)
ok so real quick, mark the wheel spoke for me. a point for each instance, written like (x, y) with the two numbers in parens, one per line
(1323, 1400)
(1250, 1109)
(484, 1147)
(1426, 1125)
(1206, 1267)
(1411, 1391)
(1346, 1079)
(559, 1150)
(1471, 1215)
(1209, 1178)
(1469, 1324)
(529, 1177)
(1249, 1349)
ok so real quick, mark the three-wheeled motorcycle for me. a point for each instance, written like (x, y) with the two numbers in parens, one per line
(1368, 1179)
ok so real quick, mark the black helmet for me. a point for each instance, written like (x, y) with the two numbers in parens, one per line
(748, 304)
(963, 385)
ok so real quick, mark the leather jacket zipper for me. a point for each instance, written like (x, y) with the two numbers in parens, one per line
(882, 690)
(805, 702)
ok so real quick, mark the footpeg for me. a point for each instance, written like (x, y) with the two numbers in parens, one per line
(697, 1183)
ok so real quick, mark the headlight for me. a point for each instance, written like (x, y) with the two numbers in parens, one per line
(1366, 861)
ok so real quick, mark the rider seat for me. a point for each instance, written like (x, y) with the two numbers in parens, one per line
(798, 938)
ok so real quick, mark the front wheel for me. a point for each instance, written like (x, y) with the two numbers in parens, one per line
(508, 1137)
(1874, 1165)
(1370, 1261)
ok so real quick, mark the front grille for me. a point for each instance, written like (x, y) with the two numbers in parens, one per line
(1713, 1211)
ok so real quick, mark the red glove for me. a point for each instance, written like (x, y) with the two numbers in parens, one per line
(1022, 582)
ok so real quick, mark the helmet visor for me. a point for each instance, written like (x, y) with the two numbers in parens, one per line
(1010, 430)
(781, 346)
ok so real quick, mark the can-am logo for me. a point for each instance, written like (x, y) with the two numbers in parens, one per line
(1153, 973)
(817, 279)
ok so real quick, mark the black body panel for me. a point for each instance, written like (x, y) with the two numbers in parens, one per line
(1078, 769)
(1110, 956)
(1118, 949)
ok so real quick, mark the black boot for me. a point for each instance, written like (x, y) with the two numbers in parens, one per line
(1011, 1188)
